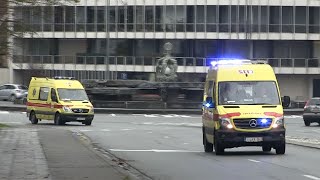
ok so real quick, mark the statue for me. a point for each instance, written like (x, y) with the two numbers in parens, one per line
(166, 67)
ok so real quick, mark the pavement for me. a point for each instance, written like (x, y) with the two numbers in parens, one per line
(45, 154)
(164, 147)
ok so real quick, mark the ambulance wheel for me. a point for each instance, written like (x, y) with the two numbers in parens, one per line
(208, 147)
(281, 149)
(88, 122)
(58, 120)
(218, 148)
(33, 118)
(266, 148)
(306, 123)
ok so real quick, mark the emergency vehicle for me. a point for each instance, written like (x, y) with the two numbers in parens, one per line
(60, 99)
(242, 106)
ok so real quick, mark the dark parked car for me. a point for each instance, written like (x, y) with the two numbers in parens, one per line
(311, 111)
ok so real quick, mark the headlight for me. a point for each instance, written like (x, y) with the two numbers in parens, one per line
(91, 110)
(278, 122)
(67, 109)
(226, 123)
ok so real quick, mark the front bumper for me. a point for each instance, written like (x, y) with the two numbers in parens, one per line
(77, 117)
(232, 138)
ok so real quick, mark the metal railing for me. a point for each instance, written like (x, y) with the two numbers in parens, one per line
(151, 61)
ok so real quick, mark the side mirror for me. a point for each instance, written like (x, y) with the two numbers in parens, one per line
(209, 103)
(286, 101)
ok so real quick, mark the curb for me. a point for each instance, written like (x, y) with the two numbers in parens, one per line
(142, 111)
(307, 145)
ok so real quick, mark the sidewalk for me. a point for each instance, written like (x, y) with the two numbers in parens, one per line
(21, 155)
(46, 154)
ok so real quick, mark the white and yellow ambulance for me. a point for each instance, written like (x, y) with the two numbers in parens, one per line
(242, 107)
(61, 99)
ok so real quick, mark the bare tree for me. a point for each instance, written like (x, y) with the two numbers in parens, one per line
(11, 27)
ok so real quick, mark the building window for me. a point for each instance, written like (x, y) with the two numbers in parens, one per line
(224, 19)
(70, 18)
(101, 15)
(149, 18)
(211, 18)
(170, 19)
(81, 18)
(139, 19)
(314, 19)
(274, 20)
(190, 18)
(287, 19)
(300, 19)
(180, 19)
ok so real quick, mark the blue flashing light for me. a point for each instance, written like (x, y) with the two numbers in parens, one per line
(264, 121)
(208, 105)
(230, 62)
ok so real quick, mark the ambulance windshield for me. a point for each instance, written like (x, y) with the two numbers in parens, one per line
(72, 94)
(248, 93)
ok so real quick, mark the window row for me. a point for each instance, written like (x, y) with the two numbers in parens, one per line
(172, 18)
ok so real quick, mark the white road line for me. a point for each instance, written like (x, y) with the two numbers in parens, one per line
(85, 130)
(150, 132)
(113, 115)
(311, 177)
(147, 115)
(185, 116)
(150, 150)
(166, 137)
(9, 122)
(185, 143)
(167, 116)
(106, 130)
(126, 129)
(4, 112)
(252, 160)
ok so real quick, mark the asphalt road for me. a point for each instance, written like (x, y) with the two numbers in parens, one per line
(169, 147)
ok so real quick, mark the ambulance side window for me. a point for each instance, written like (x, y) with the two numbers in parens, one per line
(44, 92)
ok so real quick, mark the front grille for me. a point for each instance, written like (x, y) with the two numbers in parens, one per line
(253, 123)
(80, 110)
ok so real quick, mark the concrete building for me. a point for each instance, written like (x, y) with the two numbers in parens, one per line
(114, 39)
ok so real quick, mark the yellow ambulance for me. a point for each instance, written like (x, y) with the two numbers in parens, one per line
(242, 106)
(61, 99)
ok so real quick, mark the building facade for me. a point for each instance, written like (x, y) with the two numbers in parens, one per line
(122, 39)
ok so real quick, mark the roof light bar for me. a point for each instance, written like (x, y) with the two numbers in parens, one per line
(230, 62)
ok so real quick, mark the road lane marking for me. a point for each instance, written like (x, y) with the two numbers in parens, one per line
(166, 137)
(252, 160)
(113, 115)
(127, 129)
(167, 116)
(311, 177)
(147, 115)
(4, 112)
(85, 130)
(152, 150)
(106, 130)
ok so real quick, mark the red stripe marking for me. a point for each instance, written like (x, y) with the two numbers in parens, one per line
(230, 115)
(274, 114)
(38, 105)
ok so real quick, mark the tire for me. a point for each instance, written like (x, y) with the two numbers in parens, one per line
(306, 122)
(12, 98)
(208, 147)
(33, 118)
(58, 120)
(266, 148)
(88, 122)
(281, 149)
(218, 148)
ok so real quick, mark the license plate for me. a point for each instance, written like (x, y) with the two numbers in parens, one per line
(81, 118)
(253, 139)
